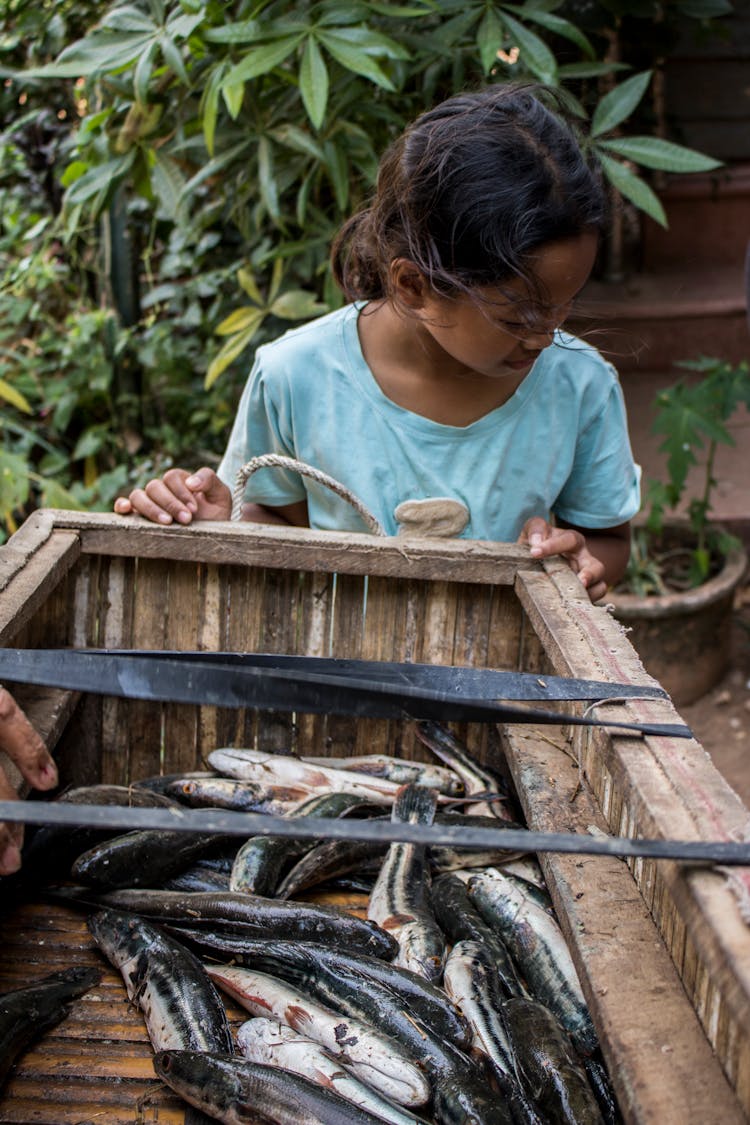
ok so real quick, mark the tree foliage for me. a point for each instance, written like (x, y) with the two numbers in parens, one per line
(206, 154)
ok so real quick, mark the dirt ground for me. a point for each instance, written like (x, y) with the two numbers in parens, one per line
(721, 718)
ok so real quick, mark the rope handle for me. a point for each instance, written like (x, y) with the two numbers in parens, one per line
(275, 460)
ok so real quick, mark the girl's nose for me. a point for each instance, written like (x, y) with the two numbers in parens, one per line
(538, 339)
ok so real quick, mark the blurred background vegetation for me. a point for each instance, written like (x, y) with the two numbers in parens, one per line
(173, 171)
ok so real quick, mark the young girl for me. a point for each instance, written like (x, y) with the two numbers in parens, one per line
(446, 375)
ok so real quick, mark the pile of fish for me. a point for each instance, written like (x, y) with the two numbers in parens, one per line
(455, 1000)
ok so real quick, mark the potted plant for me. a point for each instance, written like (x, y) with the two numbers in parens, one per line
(677, 593)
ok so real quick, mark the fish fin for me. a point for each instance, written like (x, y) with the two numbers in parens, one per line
(415, 804)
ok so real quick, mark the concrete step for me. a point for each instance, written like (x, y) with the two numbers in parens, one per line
(653, 320)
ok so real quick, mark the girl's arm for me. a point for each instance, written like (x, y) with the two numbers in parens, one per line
(598, 556)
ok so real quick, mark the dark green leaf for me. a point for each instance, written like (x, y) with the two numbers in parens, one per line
(102, 177)
(103, 51)
(261, 59)
(356, 59)
(633, 188)
(535, 54)
(168, 183)
(143, 71)
(490, 39)
(245, 32)
(295, 138)
(653, 152)
(266, 179)
(336, 164)
(590, 70)
(619, 103)
(128, 18)
(173, 58)
(558, 26)
(180, 25)
(313, 82)
(406, 11)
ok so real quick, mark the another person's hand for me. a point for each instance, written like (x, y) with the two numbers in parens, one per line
(544, 541)
(24, 746)
(179, 495)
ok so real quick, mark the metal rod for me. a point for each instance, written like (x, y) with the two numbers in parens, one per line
(229, 823)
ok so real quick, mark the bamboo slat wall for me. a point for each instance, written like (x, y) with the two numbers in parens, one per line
(87, 580)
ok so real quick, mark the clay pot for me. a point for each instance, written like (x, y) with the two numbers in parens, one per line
(683, 639)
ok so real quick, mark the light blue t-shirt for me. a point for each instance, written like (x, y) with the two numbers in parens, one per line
(558, 445)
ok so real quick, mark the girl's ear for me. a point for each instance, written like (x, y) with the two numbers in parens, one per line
(409, 286)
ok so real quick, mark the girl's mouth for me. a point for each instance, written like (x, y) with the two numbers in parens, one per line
(521, 364)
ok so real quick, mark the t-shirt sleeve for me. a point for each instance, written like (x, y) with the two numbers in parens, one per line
(262, 425)
(603, 488)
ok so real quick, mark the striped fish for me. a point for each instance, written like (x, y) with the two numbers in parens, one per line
(400, 900)
(238, 1092)
(372, 1057)
(539, 949)
(181, 1007)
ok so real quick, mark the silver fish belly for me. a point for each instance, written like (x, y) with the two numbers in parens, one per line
(264, 1040)
(397, 769)
(374, 1058)
(471, 983)
(399, 901)
(538, 946)
(261, 766)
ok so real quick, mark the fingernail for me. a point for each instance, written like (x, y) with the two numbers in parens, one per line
(48, 774)
(535, 540)
(10, 860)
(164, 517)
(191, 482)
(184, 517)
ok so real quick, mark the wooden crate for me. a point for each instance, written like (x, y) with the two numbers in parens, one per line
(662, 949)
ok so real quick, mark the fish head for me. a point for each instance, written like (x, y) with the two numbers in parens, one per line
(208, 1081)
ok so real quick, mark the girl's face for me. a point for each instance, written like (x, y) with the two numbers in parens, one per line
(500, 336)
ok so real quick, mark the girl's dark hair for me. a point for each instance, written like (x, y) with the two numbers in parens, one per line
(468, 192)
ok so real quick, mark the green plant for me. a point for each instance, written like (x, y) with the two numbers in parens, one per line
(162, 161)
(692, 416)
(266, 119)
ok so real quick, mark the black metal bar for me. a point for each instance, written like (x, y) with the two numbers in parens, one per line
(220, 822)
(484, 683)
(203, 681)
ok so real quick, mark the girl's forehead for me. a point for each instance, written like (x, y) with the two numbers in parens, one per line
(557, 271)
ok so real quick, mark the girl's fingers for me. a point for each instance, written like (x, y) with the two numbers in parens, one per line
(144, 506)
(11, 835)
(158, 503)
(24, 746)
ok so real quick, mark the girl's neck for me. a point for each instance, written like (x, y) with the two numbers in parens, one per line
(412, 371)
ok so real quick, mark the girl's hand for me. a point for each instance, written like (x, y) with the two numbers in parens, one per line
(24, 746)
(179, 495)
(544, 540)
